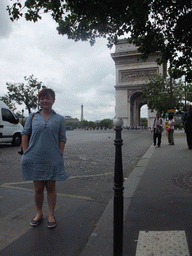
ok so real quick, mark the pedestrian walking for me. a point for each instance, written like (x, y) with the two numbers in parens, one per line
(42, 160)
(187, 120)
(170, 130)
(157, 128)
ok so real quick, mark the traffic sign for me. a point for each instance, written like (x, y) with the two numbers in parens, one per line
(171, 110)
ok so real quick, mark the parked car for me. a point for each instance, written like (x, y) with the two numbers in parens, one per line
(10, 128)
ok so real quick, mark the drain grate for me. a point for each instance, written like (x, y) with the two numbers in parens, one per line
(184, 181)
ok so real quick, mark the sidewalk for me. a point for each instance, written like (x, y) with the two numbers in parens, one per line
(157, 206)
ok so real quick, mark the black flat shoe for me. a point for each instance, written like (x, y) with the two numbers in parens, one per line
(51, 224)
(35, 223)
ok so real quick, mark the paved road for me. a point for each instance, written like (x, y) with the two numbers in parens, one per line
(89, 160)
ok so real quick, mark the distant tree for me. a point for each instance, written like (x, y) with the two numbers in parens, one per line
(92, 124)
(143, 121)
(26, 93)
(157, 94)
(106, 123)
(6, 99)
(162, 26)
(83, 124)
(71, 123)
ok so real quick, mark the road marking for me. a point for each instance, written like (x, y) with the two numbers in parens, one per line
(91, 175)
(77, 196)
(14, 185)
(155, 243)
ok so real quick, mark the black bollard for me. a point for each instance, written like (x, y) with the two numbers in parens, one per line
(118, 192)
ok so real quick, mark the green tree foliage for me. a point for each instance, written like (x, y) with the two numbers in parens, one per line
(92, 124)
(143, 121)
(26, 93)
(6, 99)
(106, 123)
(156, 93)
(163, 25)
(84, 124)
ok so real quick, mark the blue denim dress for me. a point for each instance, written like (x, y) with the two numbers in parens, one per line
(43, 160)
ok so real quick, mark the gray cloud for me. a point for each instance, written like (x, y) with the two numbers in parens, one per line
(79, 73)
(5, 24)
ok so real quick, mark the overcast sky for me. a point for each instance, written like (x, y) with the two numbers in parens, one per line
(78, 73)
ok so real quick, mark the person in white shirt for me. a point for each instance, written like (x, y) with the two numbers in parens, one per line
(157, 128)
(171, 130)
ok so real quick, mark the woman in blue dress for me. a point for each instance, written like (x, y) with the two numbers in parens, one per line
(42, 160)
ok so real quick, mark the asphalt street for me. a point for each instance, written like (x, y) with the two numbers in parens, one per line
(82, 198)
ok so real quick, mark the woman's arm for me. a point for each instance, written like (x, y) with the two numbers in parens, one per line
(61, 146)
(25, 142)
(62, 136)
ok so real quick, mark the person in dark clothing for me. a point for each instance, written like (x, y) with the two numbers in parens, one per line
(187, 120)
(157, 128)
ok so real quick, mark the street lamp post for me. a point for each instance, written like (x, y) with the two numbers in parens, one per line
(118, 192)
(22, 116)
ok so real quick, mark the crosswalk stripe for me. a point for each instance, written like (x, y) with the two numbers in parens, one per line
(155, 243)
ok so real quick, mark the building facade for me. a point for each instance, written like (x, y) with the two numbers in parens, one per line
(131, 73)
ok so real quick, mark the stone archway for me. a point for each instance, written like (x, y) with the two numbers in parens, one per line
(135, 104)
(131, 73)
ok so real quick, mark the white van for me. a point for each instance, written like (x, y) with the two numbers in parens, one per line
(10, 128)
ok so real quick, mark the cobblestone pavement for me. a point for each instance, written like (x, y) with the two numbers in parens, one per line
(93, 152)
(89, 160)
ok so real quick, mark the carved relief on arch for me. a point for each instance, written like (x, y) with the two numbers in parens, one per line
(134, 74)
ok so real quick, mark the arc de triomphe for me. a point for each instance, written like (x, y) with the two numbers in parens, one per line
(131, 72)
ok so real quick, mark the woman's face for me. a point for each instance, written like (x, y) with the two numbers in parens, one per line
(46, 102)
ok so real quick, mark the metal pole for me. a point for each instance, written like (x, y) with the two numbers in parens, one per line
(118, 192)
(22, 116)
(171, 93)
(171, 89)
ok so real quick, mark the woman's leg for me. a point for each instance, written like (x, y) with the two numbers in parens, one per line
(169, 137)
(159, 139)
(189, 139)
(51, 198)
(39, 197)
(154, 137)
(172, 139)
